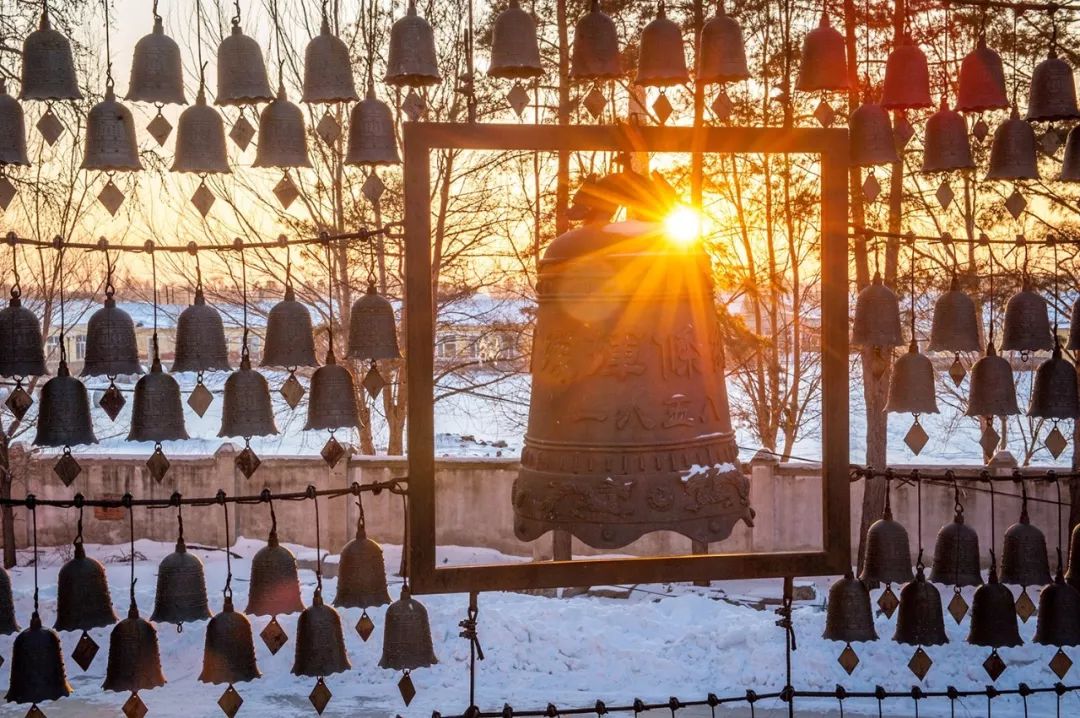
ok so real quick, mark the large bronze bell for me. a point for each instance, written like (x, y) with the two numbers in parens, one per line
(332, 402)
(372, 140)
(157, 413)
(848, 616)
(993, 615)
(248, 410)
(110, 137)
(1052, 92)
(200, 338)
(1023, 557)
(661, 56)
(871, 136)
(48, 70)
(907, 79)
(12, 129)
(22, 350)
(515, 50)
(823, 65)
(200, 139)
(134, 658)
(320, 644)
(1070, 162)
(37, 666)
(327, 69)
(8, 624)
(82, 594)
(946, 146)
(1012, 154)
(181, 588)
(993, 392)
(241, 71)
(956, 555)
(275, 585)
(290, 341)
(407, 643)
(64, 413)
(595, 54)
(111, 346)
(888, 555)
(361, 572)
(157, 73)
(982, 81)
(229, 655)
(372, 327)
(911, 387)
(282, 139)
(411, 60)
(1073, 574)
(954, 327)
(1059, 613)
(721, 53)
(877, 317)
(920, 620)
(1027, 322)
(1054, 395)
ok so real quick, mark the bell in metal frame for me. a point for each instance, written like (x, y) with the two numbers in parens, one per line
(134, 658)
(229, 653)
(721, 54)
(920, 620)
(982, 81)
(1070, 163)
(1058, 623)
(200, 139)
(515, 50)
(241, 70)
(12, 130)
(327, 69)
(200, 338)
(888, 554)
(275, 584)
(372, 141)
(157, 414)
(37, 666)
(282, 139)
(823, 65)
(22, 350)
(946, 146)
(111, 346)
(1012, 154)
(1052, 92)
(361, 572)
(411, 60)
(1027, 322)
(320, 643)
(911, 387)
(407, 643)
(993, 614)
(157, 73)
(372, 327)
(1023, 557)
(992, 392)
(1054, 395)
(661, 58)
(848, 614)
(48, 70)
(333, 398)
(877, 316)
(595, 53)
(956, 554)
(64, 413)
(248, 410)
(82, 594)
(954, 327)
(290, 341)
(871, 136)
(181, 587)
(907, 79)
(8, 624)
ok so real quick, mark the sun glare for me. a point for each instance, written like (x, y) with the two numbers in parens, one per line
(683, 225)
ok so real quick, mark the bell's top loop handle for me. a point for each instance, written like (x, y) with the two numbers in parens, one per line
(79, 523)
(236, 17)
(227, 592)
(154, 11)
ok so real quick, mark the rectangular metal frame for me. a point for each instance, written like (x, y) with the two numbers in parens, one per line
(831, 145)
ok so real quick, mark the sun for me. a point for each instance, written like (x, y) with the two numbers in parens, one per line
(684, 225)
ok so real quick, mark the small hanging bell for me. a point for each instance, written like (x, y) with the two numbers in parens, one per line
(721, 53)
(920, 621)
(1012, 154)
(956, 555)
(1023, 557)
(320, 643)
(200, 338)
(157, 73)
(877, 317)
(332, 404)
(275, 584)
(982, 81)
(372, 328)
(661, 57)
(111, 346)
(110, 137)
(282, 139)
(411, 59)
(82, 594)
(8, 624)
(371, 133)
(181, 588)
(1070, 163)
(1052, 92)
(992, 392)
(888, 555)
(241, 71)
(248, 410)
(290, 341)
(64, 413)
(48, 70)
(22, 351)
(407, 640)
(1073, 574)
(823, 65)
(37, 666)
(907, 79)
(200, 139)
(1054, 395)
(872, 139)
(954, 327)
(515, 51)
(993, 615)
(1059, 613)
(596, 47)
(229, 655)
(157, 413)
(12, 129)
(911, 387)
(946, 146)
(134, 660)
(327, 69)
(1027, 322)
(848, 614)
(361, 572)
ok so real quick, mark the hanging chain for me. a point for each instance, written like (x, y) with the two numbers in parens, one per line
(468, 632)
(318, 542)
(227, 593)
(31, 504)
(108, 50)
(244, 353)
(127, 501)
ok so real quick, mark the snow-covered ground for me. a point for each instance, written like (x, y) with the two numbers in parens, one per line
(612, 644)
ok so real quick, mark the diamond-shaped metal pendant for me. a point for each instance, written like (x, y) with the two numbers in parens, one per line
(518, 98)
(203, 199)
(328, 129)
(957, 372)
(67, 468)
(916, 438)
(413, 105)
(595, 102)
(19, 401)
(722, 106)
(848, 659)
(84, 652)
(332, 452)
(293, 391)
(112, 401)
(944, 194)
(662, 107)
(980, 129)
(1025, 607)
(134, 707)
(994, 666)
(871, 188)
(35, 712)
(373, 188)
(989, 440)
(903, 131)
(111, 197)
(248, 462)
(920, 663)
(242, 133)
(373, 381)
(1060, 664)
(365, 626)
(958, 607)
(286, 192)
(824, 114)
(888, 602)
(200, 399)
(50, 127)
(158, 464)
(406, 688)
(320, 696)
(1055, 442)
(1050, 142)
(160, 129)
(230, 702)
(274, 636)
(1016, 204)
(7, 192)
